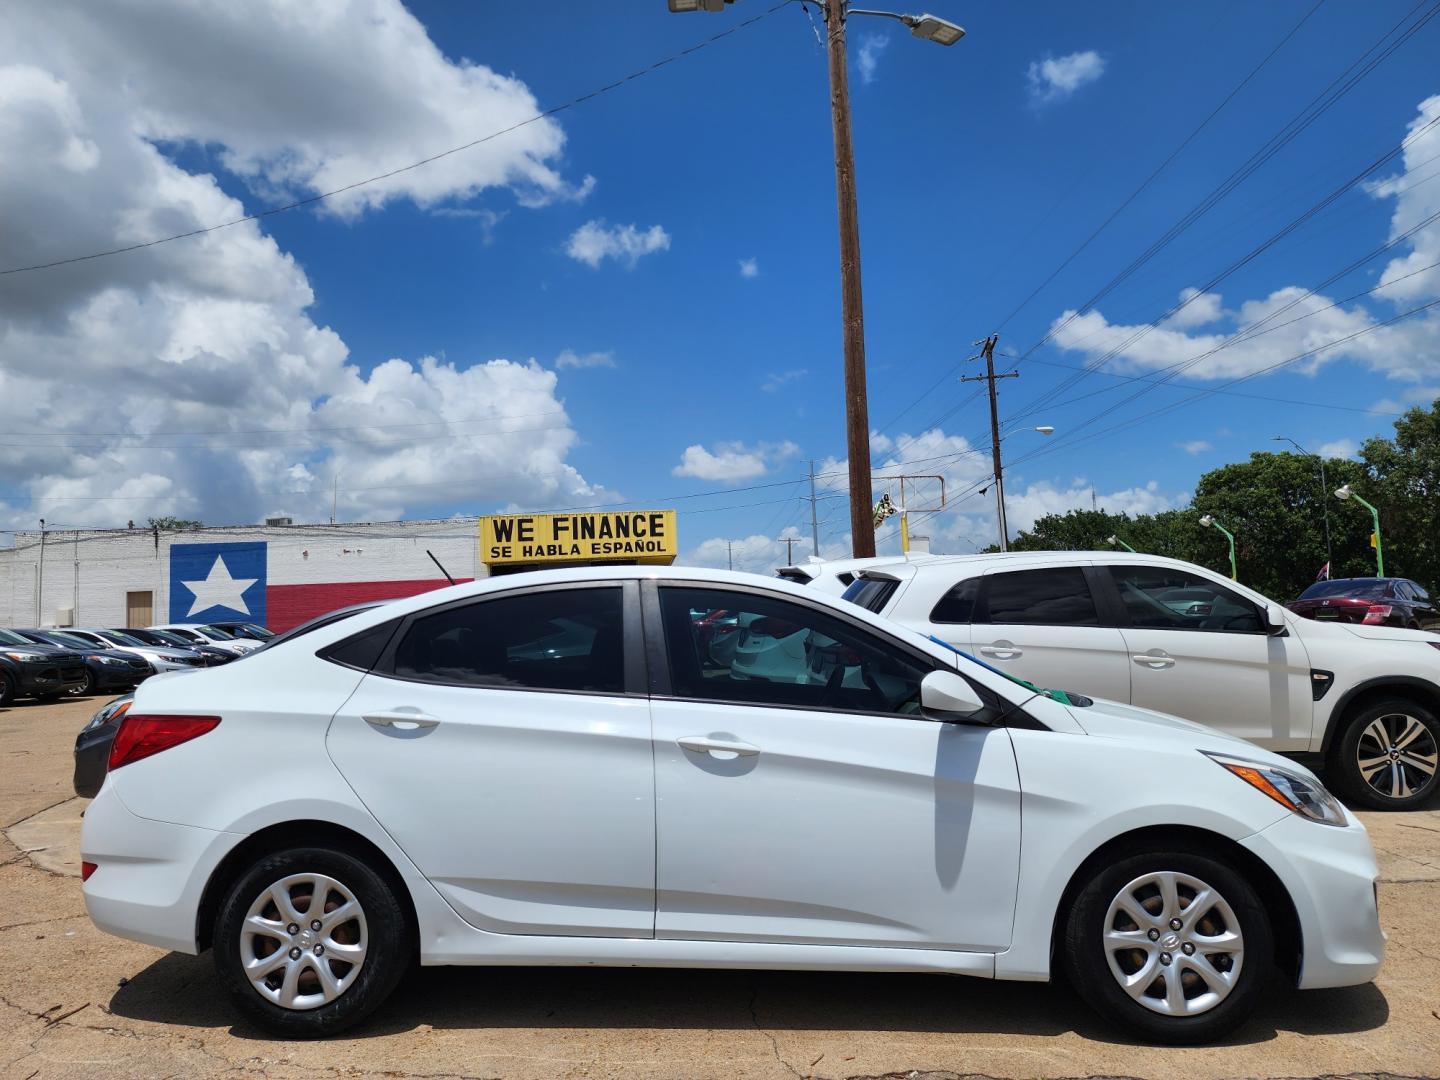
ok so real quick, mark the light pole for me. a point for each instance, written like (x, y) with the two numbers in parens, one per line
(1001, 522)
(857, 411)
(1115, 541)
(1344, 493)
(1208, 520)
(1324, 487)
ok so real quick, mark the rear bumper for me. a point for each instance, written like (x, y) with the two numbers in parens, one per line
(1331, 876)
(150, 875)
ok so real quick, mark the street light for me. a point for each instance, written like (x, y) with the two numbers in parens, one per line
(1343, 493)
(1324, 487)
(1207, 520)
(857, 410)
(1115, 541)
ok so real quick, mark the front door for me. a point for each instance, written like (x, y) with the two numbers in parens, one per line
(1200, 650)
(505, 746)
(801, 797)
(1044, 626)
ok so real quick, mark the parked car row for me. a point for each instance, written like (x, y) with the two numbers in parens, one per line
(676, 767)
(43, 663)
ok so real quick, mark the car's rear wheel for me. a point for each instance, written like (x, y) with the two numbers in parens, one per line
(1387, 756)
(85, 688)
(7, 690)
(1174, 946)
(310, 941)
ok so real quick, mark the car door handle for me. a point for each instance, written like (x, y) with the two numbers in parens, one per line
(701, 744)
(1002, 650)
(401, 720)
(1156, 659)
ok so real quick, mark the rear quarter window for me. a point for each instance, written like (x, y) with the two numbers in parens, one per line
(872, 594)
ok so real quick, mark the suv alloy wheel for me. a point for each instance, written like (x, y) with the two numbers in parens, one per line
(1387, 756)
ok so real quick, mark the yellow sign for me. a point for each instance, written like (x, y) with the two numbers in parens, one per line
(645, 536)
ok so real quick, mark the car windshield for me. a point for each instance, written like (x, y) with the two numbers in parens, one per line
(169, 637)
(1359, 587)
(124, 639)
(67, 640)
(217, 632)
(9, 637)
(251, 630)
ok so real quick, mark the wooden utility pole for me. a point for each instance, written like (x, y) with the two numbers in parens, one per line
(789, 542)
(987, 350)
(857, 411)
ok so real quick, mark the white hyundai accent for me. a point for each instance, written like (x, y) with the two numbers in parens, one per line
(436, 780)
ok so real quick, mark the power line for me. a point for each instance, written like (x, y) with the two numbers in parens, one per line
(310, 200)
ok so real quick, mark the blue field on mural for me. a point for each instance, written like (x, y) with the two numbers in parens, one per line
(217, 581)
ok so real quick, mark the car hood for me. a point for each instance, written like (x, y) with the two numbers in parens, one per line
(1113, 720)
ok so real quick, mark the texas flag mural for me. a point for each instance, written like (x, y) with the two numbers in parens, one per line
(284, 588)
(218, 581)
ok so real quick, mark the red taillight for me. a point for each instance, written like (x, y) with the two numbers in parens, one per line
(86, 869)
(1378, 613)
(140, 736)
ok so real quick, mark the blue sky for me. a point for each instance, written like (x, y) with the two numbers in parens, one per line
(980, 168)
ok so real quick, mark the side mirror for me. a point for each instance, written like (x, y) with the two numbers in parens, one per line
(945, 695)
(1274, 619)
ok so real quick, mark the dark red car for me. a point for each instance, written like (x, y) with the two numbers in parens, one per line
(1373, 601)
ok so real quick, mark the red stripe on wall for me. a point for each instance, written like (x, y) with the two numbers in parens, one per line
(290, 605)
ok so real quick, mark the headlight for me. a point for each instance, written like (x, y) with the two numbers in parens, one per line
(1298, 794)
(106, 659)
(25, 655)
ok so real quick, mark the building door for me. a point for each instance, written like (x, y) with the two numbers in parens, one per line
(139, 608)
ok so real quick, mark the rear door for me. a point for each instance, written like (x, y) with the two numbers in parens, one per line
(1211, 659)
(504, 742)
(1045, 625)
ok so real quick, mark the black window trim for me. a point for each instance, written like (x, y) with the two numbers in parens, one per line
(662, 689)
(632, 634)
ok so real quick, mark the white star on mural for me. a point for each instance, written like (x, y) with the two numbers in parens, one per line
(219, 589)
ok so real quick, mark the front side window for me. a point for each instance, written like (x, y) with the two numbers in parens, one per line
(563, 639)
(747, 647)
(1055, 596)
(1167, 598)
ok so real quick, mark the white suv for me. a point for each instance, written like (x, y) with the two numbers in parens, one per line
(834, 576)
(1177, 638)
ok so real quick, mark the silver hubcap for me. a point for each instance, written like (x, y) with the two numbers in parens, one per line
(1173, 944)
(303, 941)
(1397, 755)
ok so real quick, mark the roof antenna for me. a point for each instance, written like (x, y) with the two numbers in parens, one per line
(442, 569)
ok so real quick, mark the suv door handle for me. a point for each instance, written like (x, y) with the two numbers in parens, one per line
(401, 720)
(701, 744)
(1155, 658)
(1002, 650)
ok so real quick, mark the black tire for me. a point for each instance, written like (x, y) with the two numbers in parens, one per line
(86, 688)
(1386, 788)
(7, 690)
(1087, 965)
(385, 933)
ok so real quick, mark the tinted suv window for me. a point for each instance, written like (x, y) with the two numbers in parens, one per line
(734, 646)
(871, 593)
(957, 605)
(1056, 596)
(565, 639)
(1166, 598)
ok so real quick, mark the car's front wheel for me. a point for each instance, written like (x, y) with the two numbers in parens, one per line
(310, 941)
(1174, 946)
(1387, 755)
(7, 690)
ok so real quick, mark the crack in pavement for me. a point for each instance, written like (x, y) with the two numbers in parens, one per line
(42, 922)
(774, 1043)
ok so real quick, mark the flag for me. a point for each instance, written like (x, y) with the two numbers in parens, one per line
(884, 509)
(1324, 574)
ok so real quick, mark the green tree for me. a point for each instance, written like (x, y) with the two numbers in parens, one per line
(1402, 479)
(174, 524)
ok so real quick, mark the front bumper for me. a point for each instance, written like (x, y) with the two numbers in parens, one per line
(119, 676)
(43, 678)
(150, 875)
(1330, 874)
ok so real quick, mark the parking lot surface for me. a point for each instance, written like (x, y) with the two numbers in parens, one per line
(77, 1003)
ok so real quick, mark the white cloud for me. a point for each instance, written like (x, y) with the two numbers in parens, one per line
(733, 460)
(571, 359)
(594, 242)
(1195, 446)
(1054, 79)
(1201, 309)
(868, 56)
(749, 268)
(777, 379)
(1414, 202)
(1341, 448)
(756, 553)
(214, 335)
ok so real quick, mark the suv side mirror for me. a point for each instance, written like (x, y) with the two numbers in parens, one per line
(947, 696)
(1274, 619)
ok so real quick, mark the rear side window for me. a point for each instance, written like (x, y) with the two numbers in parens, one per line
(871, 593)
(957, 605)
(562, 639)
(362, 651)
(1055, 596)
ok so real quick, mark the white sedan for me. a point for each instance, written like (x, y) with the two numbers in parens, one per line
(424, 781)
